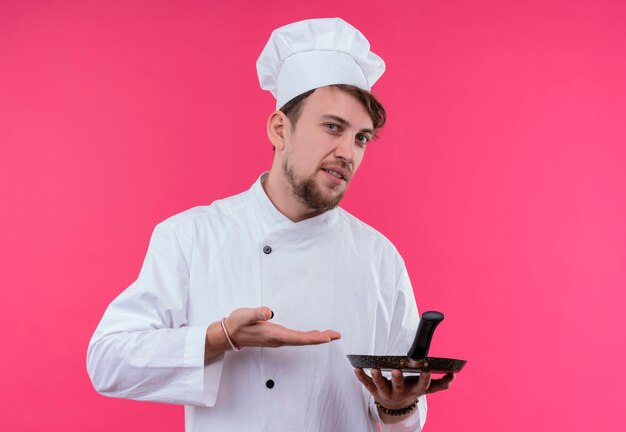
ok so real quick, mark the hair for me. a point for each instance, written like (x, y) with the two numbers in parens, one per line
(374, 108)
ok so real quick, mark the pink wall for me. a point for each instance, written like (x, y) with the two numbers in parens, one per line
(500, 177)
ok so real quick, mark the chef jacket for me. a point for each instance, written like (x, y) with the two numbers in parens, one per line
(331, 271)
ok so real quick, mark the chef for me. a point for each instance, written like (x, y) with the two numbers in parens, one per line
(223, 317)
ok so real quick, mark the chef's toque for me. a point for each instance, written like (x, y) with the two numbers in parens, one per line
(315, 53)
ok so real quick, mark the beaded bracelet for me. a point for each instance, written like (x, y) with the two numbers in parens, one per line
(230, 341)
(396, 412)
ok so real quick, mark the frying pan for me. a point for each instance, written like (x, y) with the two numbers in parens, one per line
(416, 359)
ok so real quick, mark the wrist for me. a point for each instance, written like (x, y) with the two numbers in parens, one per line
(403, 410)
(215, 342)
(230, 341)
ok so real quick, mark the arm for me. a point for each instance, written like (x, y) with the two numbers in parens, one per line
(250, 327)
(144, 339)
(400, 392)
(144, 348)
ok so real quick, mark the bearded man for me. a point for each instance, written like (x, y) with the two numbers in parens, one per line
(191, 330)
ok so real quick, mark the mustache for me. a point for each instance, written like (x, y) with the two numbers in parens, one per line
(341, 166)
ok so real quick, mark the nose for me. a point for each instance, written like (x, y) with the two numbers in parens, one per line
(345, 149)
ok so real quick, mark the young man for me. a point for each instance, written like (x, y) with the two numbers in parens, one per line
(185, 331)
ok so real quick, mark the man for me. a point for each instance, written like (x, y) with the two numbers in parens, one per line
(185, 331)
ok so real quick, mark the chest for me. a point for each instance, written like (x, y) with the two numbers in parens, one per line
(319, 282)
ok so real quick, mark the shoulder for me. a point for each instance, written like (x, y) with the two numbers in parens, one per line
(364, 233)
(371, 251)
(218, 214)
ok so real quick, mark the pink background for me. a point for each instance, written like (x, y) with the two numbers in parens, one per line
(500, 177)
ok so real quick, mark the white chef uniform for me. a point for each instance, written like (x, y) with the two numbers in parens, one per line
(328, 272)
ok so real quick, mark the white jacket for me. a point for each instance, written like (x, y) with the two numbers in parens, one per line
(328, 272)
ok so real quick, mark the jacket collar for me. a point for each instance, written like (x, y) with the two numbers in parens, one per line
(274, 222)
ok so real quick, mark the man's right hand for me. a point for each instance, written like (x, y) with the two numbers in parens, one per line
(248, 327)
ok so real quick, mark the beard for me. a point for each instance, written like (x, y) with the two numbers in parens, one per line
(308, 192)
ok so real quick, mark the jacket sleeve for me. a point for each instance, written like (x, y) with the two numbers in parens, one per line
(404, 322)
(143, 348)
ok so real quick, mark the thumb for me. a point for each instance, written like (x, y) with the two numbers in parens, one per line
(264, 313)
(248, 316)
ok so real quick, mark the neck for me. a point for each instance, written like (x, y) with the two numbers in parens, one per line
(279, 192)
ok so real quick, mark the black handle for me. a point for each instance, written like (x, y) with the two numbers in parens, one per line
(425, 330)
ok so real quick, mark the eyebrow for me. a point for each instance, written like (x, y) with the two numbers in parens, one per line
(345, 123)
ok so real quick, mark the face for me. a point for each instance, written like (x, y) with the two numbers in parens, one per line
(325, 148)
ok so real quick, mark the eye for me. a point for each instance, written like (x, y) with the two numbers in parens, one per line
(362, 140)
(332, 127)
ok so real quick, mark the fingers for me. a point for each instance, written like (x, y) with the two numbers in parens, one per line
(400, 391)
(364, 379)
(380, 381)
(252, 327)
(284, 336)
(442, 383)
(314, 337)
(397, 380)
(332, 334)
(424, 382)
(376, 384)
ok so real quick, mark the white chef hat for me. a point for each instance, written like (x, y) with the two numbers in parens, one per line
(315, 53)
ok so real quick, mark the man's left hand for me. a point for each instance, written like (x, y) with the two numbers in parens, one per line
(400, 391)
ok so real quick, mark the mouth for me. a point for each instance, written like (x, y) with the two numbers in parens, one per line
(337, 173)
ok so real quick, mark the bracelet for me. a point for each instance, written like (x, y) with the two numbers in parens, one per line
(230, 341)
(396, 412)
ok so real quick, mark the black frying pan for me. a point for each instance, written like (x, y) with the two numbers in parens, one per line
(416, 359)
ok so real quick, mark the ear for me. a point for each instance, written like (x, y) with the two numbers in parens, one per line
(277, 126)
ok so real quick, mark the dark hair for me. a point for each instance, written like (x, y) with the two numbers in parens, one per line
(375, 109)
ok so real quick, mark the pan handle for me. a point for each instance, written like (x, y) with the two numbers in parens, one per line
(425, 330)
